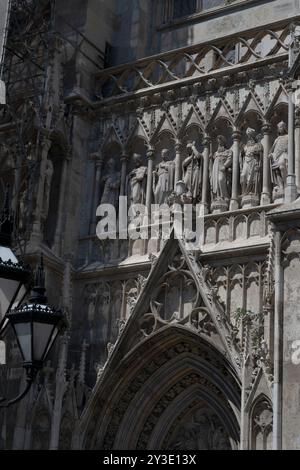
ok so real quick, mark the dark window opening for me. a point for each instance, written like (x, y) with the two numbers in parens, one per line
(184, 8)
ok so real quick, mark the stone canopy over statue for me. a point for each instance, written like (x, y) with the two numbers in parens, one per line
(279, 158)
(163, 179)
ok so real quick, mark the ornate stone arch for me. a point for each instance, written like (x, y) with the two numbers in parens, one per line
(261, 424)
(145, 396)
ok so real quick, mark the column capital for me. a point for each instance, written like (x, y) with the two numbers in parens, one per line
(206, 140)
(236, 135)
(178, 145)
(124, 156)
(150, 153)
(266, 128)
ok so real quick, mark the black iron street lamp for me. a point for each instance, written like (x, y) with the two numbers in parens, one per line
(35, 324)
(14, 276)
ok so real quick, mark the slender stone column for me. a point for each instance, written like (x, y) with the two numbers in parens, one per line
(17, 181)
(58, 230)
(234, 203)
(205, 176)
(36, 236)
(124, 159)
(97, 187)
(290, 190)
(278, 329)
(150, 156)
(178, 161)
(297, 149)
(266, 190)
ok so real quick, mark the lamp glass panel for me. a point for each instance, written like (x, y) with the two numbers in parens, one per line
(8, 289)
(42, 333)
(23, 331)
(20, 296)
(53, 338)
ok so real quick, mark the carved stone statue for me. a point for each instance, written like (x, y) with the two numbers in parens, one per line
(111, 182)
(192, 171)
(137, 181)
(279, 157)
(203, 431)
(23, 210)
(252, 154)
(163, 179)
(47, 188)
(220, 175)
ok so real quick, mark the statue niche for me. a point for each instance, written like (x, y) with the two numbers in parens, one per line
(221, 176)
(192, 172)
(251, 169)
(111, 184)
(137, 181)
(163, 179)
(279, 161)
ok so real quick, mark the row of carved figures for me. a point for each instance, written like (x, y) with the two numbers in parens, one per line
(188, 188)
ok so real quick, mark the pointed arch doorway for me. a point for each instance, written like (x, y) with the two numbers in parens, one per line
(173, 391)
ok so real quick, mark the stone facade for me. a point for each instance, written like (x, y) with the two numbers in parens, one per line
(168, 347)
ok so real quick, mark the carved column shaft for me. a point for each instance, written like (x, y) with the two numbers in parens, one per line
(178, 161)
(297, 149)
(17, 182)
(36, 231)
(290, 190)
(62, 189)
(97, 188)
(150, 156)
(278, 331)
(124, 159)
(234, 203)
(266, 190)
(205, 183)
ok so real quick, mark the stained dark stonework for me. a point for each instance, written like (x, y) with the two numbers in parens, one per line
(169, 346)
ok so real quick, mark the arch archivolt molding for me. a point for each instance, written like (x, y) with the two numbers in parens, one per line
(146, 369)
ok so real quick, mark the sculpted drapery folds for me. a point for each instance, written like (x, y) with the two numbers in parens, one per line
(111, 183)
(251, 156)
(47, 188)
(137, 181)
(163, 179)
(279, 157)
(220, 172)
(192, 171)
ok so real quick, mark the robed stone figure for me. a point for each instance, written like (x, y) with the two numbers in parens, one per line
(221, 171)
(279, 157)
(192, 171)
(111, 182)
(137, 181)
(163, 179)
(252, 155)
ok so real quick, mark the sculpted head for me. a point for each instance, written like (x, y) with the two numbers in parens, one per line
(189, 148)
(251, 133)
(111, 165)
(164, 154)
(282, 128)
(137, 160)
(221, 141)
